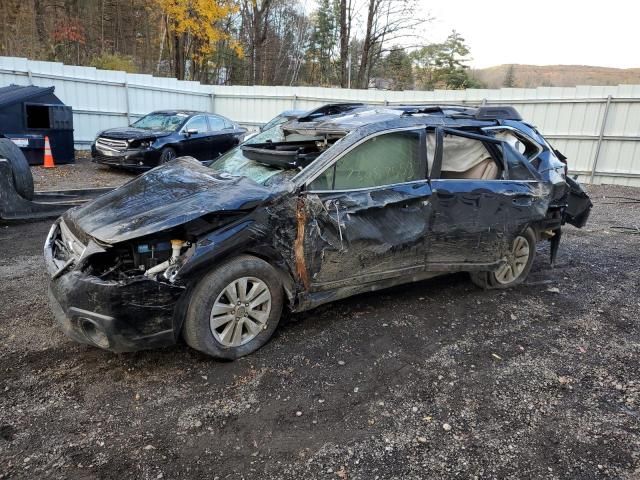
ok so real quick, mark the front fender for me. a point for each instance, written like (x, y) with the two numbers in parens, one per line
(244, 237)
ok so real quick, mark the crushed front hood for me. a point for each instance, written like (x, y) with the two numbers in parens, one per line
(132, 133)
(165, 197)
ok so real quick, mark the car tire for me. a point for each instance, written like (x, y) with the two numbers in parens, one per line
(166, 155)
(22, 178)
(226, 333)
(515, 271)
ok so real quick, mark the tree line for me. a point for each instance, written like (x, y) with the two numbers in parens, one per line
(346, 43)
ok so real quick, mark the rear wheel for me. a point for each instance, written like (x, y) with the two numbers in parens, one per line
(234, 309)
(516, 268)
(22, 178)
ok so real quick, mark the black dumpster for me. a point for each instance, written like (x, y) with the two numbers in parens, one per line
(28, 113)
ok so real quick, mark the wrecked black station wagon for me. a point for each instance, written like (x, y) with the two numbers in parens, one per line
(343, 200)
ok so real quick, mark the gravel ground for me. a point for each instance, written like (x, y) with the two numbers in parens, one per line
(82, 174)
(433, 380)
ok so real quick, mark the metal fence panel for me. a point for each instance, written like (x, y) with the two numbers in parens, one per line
(597, 127)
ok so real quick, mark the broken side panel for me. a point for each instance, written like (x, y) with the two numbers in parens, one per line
(366, 235)
(474, 221)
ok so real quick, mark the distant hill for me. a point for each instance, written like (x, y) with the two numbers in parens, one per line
(529, 76)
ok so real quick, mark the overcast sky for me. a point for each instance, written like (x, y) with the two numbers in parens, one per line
(541, 32)
(603, 33)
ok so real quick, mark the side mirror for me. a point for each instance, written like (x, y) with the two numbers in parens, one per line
(190, 131)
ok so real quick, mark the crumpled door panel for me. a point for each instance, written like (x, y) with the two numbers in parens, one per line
(362, 236)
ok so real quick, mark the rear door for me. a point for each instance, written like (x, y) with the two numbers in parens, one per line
(365, 217)
(484, 193)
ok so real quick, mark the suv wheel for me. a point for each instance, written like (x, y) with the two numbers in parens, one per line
(234, 309)
(515, 270)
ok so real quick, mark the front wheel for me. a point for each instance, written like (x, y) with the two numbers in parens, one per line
(515, 269)
(166, 155)
(234, 309)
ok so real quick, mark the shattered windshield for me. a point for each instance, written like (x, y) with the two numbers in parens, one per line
(161, 121)
(234, 162)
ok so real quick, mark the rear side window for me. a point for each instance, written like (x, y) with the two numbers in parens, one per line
(216, 123)
(385, 159)
(464, 158)
(518, 167)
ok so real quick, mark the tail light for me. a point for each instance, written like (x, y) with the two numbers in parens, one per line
(563, 159)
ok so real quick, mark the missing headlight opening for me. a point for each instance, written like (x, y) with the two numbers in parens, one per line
(176, 247)
(124, 262)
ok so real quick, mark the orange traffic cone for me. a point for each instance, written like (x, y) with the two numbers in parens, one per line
(48, 158)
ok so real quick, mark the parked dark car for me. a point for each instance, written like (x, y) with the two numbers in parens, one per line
(161, 136)
(321, 208)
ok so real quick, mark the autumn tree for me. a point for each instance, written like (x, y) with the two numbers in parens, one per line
(68, 37)
(250, 42)
(194, 27)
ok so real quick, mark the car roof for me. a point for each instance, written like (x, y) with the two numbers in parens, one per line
(184, 112)
(373, 117)
(292, 113)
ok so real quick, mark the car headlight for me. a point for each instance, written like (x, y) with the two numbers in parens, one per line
(145, 144)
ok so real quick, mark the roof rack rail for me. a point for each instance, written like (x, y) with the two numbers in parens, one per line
(483, 112)
(465, 110)
(497, 112)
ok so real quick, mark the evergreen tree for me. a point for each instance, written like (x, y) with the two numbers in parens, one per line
(443, 65)
(323, 41)
(397, 67)
(509, 77)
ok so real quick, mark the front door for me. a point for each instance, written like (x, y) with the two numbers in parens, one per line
(367, 215)
(195, 143)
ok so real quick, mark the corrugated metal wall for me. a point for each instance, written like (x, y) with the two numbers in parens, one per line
(598, 128)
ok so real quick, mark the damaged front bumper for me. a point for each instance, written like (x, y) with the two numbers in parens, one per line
(116, 315)
(133, 158)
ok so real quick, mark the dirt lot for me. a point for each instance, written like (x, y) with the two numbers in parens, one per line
(436, 379)
(82, 174)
